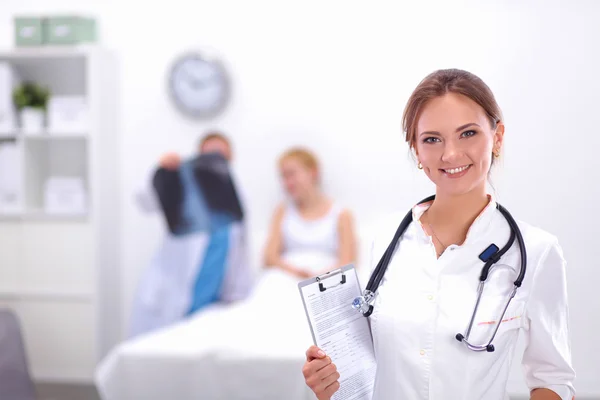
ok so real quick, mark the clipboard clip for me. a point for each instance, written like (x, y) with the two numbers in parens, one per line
(329, 274)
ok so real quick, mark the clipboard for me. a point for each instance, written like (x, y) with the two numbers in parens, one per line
(341, 331)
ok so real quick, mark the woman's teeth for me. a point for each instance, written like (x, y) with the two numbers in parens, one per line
(456, 170)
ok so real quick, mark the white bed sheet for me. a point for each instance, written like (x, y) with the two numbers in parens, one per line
(253, 349)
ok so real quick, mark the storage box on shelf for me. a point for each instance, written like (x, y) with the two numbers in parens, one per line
(29, 31)
(48, 159)
(67, 115)
(69, 30)
(54, 30)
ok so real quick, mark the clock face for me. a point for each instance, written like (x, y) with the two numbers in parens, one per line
(199, 86)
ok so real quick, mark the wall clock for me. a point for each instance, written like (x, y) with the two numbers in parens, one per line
(199, 85)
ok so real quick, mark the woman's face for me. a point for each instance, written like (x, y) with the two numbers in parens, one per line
(454, 143)
(298, 180)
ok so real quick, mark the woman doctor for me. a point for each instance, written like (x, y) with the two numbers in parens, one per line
(428, 293)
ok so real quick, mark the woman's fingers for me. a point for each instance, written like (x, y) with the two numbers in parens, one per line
(314, 352)
(327, 380)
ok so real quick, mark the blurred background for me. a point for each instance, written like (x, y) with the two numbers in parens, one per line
(332, 76)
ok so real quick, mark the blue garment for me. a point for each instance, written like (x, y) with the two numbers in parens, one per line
(212, 271)
(198, 217)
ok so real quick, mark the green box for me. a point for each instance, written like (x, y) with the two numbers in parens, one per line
(29, 31)
(60, 30)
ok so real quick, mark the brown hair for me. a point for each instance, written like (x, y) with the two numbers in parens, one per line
(440, 83)
(305, 156)
(215, 135)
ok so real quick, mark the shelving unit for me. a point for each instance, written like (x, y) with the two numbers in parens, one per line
(66, 71)
(59, 271)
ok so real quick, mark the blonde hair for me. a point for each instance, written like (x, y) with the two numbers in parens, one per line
(305, 156)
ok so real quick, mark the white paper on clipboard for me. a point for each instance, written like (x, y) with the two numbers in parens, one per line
(342, 332)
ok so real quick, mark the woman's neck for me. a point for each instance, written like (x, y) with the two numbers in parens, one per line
(459, 210)
(310, 201)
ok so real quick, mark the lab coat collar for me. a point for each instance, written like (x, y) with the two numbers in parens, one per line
(476, 230)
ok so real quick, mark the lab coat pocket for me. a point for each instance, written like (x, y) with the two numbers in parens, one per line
(489, 317)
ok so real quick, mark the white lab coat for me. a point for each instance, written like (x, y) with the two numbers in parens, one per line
(164, 292)
(423, 302)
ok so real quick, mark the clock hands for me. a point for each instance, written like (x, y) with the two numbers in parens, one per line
(196, 83)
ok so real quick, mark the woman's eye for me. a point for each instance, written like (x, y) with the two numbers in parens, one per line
(469, 133)
(430, 140)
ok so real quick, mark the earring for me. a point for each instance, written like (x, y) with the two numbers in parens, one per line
(496, 154)
(420, 166)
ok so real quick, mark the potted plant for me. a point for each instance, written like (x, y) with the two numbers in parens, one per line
(31, 101)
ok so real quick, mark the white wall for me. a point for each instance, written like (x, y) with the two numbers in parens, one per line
(335, 76)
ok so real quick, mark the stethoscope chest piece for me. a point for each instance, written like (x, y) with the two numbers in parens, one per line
(363, 303)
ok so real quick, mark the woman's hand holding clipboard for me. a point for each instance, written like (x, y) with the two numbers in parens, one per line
(341, 364)
(320, 373)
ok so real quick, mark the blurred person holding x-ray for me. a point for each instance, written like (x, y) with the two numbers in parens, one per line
(203, 258)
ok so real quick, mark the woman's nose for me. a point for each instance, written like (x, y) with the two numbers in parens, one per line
(451, 152)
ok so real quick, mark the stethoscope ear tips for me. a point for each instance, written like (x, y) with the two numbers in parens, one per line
(489, 348)
(459, 337)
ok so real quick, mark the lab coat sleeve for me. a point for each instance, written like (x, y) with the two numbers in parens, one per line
(145, 196)
(547, 355)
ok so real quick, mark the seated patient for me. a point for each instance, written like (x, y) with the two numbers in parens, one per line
(310, 233)
(203, 257)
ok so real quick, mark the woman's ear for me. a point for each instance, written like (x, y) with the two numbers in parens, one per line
(499, 136)
(315, 175)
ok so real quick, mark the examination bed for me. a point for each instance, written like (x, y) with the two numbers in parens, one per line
(254, 349)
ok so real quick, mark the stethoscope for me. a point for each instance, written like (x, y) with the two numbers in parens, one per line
(489, 256)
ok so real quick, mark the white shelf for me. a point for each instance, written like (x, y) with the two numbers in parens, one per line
(37, 52)
(58, 135)
(11, 214)
(63, 70)
(40, 215)
(43, 294)
(48, 135)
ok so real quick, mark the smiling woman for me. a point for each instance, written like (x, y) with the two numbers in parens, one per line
(454, 126)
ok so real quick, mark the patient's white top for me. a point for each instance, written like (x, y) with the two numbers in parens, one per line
(314, 242)
(423, 302)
